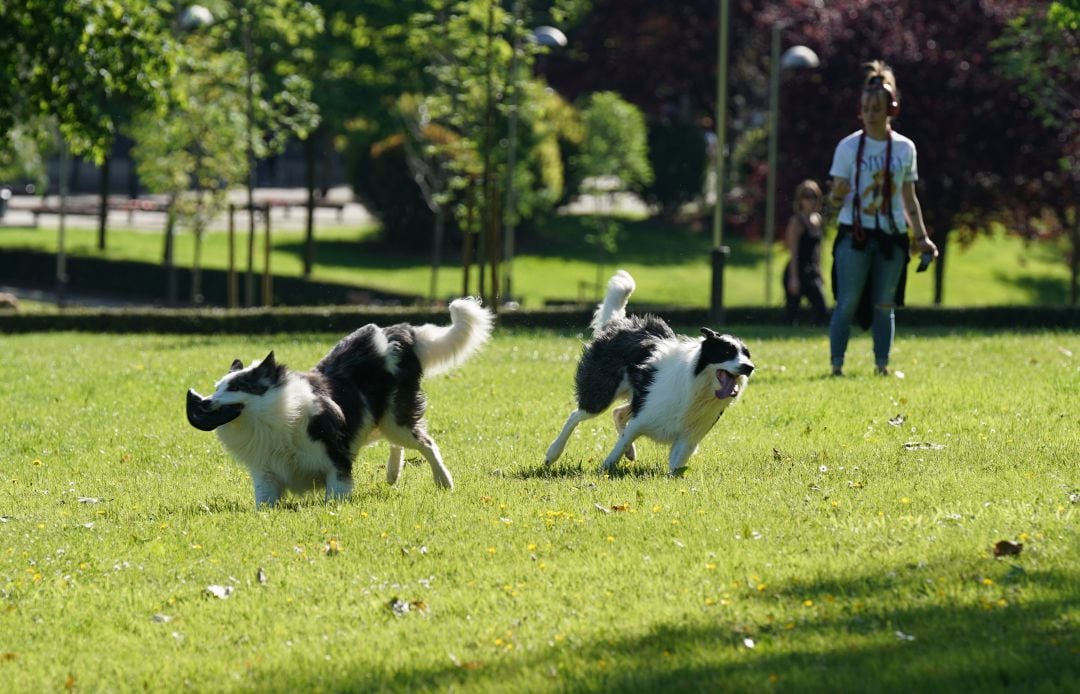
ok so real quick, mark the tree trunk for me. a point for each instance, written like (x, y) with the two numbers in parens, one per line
(233, 291)
(103, 209)
(196, 265)
(466, 246)
(309, 179)
(168, 261)
(267, 282)
(1074, 289)
(436, 251)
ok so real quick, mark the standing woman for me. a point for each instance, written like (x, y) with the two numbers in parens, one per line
(802, 276)
(874, 173)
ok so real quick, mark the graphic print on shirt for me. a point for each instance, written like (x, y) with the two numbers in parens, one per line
(871, 195)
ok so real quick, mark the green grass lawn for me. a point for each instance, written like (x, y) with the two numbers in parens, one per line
(670, 263)
(830, 535)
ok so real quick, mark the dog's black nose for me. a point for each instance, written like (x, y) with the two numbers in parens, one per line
(747, 369)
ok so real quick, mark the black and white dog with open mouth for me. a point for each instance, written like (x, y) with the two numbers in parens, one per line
(676, 387)
(295, 430)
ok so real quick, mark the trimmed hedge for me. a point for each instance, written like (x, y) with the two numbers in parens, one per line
(343, 319)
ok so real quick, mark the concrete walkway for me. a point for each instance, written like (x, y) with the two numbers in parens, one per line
(293, 218)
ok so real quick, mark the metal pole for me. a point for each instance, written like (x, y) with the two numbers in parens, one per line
(719, 251)
(770, 185)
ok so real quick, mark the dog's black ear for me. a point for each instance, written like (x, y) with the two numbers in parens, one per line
(268, 363)
(709, 334)
(236, 365)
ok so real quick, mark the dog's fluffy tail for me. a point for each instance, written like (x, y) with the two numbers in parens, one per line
(619, 289)
(441, 348)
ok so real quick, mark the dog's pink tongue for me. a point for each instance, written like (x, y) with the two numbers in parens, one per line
(727, 385)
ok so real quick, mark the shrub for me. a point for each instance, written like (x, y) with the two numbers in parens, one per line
(677, 152)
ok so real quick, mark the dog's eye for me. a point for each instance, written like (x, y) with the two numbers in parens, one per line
(234, 386)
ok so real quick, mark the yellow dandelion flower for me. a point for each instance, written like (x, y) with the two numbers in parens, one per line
(808, 603)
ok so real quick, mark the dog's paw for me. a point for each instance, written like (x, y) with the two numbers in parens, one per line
(631, 453)
(678, 472)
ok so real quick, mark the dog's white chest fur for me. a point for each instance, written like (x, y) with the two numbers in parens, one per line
(270, 439)
(680, 405)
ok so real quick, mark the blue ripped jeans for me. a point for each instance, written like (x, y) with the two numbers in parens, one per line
(854, 268)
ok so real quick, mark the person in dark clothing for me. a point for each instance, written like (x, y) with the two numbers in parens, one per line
(802, 276)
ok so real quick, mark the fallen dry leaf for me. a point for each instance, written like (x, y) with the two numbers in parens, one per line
(1006, 548)
(260, 576)
(602, 509)
(618, 508)
(897, 420)
(465, 665)
(332, 547)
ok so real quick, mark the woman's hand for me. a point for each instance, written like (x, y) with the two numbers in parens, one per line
(925, 245)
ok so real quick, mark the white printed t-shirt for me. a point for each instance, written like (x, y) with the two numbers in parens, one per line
(872, 178)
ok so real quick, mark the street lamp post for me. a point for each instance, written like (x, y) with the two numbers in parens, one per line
(719, 250)
(796, 57)
(549, 37)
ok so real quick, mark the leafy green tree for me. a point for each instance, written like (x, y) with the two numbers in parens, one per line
(21, 157)
(238, 95)
(445, 68)
(194, 152)
(1040, 52)
(85, 63)
(614, 158)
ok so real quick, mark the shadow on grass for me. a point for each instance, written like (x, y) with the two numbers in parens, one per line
(1028, 646)
(625, 470)
(360, 254)
(1044, 291)
(646, 241)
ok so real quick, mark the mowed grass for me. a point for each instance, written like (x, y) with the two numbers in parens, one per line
(830, 535)
(670, 263)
